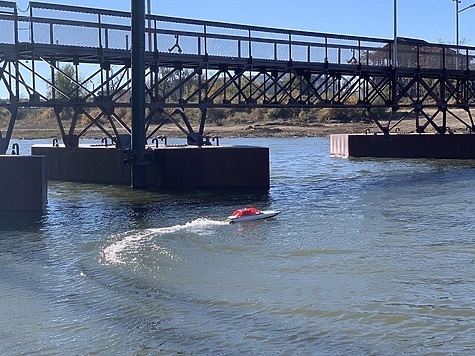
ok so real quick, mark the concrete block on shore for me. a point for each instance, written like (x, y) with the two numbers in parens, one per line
(23, 182)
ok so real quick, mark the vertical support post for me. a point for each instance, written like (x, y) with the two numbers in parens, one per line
(443, 103)
(444, 64)
(250, 44)
(106, 37)
(99, 27)
(206, 40)
(32, 34)
(395, 60)
(457, 41)
(395, 36)
(467, 60)
(326, 49)
(290, 48)
(155, 36)
(359, 52)
(51, 34)
(149, 26)
(457, 27)
(138, 90)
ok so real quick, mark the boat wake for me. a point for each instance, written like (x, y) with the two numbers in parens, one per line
(135, 240)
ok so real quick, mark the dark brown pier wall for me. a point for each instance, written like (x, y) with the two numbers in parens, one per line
(172, 166)
(23, 182)
(456, 146)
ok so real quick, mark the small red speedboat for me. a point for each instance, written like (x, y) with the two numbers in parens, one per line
(248, 214)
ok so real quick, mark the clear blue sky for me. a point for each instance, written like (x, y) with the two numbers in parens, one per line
(430, 20)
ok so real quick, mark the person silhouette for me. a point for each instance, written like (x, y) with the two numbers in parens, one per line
(176, 45)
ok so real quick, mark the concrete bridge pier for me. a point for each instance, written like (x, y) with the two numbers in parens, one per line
(187, 166)
(447, 146)
(23, 182)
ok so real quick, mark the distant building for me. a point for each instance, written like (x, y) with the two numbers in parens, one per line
(413, 53)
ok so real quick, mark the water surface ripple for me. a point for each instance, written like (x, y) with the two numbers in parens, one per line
(367, 257)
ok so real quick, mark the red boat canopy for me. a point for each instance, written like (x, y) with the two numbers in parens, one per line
(246, 212)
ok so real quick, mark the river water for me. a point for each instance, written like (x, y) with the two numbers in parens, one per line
(367, 257)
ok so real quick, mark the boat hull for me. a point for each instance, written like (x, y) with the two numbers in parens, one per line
(265, 214)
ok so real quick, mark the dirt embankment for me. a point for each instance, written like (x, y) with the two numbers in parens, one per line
(235, 130)
(258, 128)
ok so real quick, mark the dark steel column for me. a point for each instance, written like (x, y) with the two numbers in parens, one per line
(138, 91)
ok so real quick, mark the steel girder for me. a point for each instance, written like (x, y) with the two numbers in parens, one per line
(172, 90)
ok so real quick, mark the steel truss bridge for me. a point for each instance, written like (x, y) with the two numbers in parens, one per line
(201, 65)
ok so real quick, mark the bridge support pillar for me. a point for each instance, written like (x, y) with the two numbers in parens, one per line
(169, 167)
(23, 182)
(138, 90)
(456, 146)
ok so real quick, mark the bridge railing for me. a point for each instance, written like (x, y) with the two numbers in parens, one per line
(240, 41)
(63, 25)
(84, 27)
(8, 22)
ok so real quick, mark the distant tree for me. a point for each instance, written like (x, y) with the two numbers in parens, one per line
(65, 86)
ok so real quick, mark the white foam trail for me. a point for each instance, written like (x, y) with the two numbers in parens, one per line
(198, 225)
(132, 240)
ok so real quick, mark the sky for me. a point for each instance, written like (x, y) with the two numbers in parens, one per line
(429, 20)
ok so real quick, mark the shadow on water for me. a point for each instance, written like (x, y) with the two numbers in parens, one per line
(207, 196)
(396, 172)
(21, 220)
(139, 197)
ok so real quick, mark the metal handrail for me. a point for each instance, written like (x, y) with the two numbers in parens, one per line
(318, 46)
